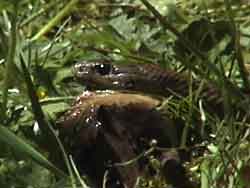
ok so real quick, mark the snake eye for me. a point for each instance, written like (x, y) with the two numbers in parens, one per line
(103, 69)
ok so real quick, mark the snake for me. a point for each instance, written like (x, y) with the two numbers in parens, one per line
(122, 95)
(147, 79)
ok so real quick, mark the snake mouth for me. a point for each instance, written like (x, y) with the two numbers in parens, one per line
(80, 69)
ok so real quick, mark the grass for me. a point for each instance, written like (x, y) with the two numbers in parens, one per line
(39, 43)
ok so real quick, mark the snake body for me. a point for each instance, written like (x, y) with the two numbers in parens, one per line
(149, 79)
(119, 120)
(102, 126)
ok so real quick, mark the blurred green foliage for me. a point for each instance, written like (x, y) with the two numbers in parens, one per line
(54, 35)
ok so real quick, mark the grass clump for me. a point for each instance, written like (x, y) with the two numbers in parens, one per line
(39, 43)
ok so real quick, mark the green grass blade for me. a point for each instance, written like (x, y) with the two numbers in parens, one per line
(19, 145)
(9, 60)
(65, 11)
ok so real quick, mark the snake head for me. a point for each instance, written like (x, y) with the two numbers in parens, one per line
(144, 78)
(105, 75)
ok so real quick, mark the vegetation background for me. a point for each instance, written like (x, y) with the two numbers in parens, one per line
(40, 40)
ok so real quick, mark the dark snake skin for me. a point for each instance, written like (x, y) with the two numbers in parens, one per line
(147, 79)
